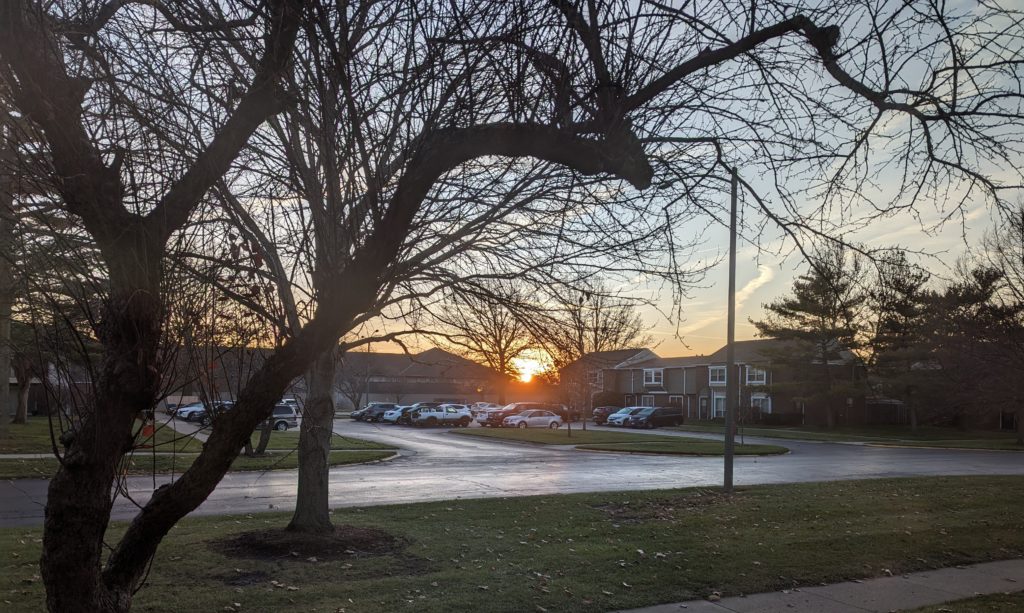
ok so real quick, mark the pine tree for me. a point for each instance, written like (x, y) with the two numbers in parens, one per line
(822, 319)
(900, 358)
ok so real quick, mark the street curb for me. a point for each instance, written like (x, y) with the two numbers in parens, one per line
(942, 448)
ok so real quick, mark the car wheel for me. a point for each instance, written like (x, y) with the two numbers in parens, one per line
(463, 423)
(553, 425)
(281, 426)
(650, 426)
(522, 424)
(431, 421)
(205, 421)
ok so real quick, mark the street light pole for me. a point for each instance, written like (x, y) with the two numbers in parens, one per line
(731, 377)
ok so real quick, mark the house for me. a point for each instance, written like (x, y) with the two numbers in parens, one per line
(771, 388)
(433, 375)
(581, 379)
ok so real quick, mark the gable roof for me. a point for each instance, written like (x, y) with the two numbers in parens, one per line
(659, 362)
(433, 363)
(609, 359)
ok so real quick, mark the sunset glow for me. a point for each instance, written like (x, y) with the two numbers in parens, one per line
(527, 368)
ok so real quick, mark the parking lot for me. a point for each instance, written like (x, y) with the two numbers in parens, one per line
(435, 464)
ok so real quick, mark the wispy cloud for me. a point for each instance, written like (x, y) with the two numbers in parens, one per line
(704, 319)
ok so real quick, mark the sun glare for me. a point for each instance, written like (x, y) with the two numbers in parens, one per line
(528, 368)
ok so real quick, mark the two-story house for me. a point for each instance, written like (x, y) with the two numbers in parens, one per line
(768, 386)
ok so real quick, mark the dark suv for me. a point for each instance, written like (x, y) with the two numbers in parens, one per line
(373, 411)
(600, 414)
(653, 417)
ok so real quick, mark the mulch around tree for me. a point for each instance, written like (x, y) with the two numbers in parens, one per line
(274, 544)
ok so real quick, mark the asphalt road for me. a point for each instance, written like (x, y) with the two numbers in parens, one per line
(438, 465)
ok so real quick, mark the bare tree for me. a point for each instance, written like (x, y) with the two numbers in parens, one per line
(488, 328)
(552, 115)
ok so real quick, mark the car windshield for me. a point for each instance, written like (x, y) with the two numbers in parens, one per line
(624, 411)
(645, 411)
(637, 410)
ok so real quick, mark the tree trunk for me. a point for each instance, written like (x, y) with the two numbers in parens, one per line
(265, 430)
(312, 513)
(21, 415)
(1020, 426)
(79, 498)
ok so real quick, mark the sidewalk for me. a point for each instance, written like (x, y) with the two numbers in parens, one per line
(884, 594)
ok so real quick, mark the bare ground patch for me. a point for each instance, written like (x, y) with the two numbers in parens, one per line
(276, 544)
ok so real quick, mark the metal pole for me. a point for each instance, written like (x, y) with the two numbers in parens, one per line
(731, 378)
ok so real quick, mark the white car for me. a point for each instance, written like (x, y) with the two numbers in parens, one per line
(446, 414)
(534, 418)
(190, 411)
(619, 418)
(394, 416)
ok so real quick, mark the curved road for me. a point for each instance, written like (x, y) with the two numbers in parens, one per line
(438, 465)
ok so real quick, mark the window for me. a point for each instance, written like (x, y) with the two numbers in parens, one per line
(761, 402)
(595, 377)
(756, 376)
(675, 401)
(716, 375)
(719, 406)
(647, 401)
(654, 376)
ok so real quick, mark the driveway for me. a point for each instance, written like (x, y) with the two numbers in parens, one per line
(438, 465)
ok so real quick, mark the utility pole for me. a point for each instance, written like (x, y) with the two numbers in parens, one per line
(731, 378)
(6, 274)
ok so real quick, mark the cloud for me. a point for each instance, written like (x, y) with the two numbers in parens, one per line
(704, 319)
(765, 274)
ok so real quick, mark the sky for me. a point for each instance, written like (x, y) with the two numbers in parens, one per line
(763, 277)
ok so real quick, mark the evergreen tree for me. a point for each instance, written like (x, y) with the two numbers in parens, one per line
(900, 358)
(822, 319)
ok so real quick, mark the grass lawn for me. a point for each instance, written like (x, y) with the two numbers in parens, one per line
(289, 440)
(994, 603)
(145, 464)
(34, 437)
(602, 440)
(926, 436)
(580, 552)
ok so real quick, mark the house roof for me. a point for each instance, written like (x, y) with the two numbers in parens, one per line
(609, 359)
(432, 363)
(755, 350)
(659, 362)
(747, 352)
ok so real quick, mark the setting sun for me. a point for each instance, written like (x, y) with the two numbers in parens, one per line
(529, 366)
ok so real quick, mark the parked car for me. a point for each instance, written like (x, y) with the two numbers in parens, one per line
(620, 416)
(399, 415)
(496, 417)
(446, 414)
(654, 417)
(285, 416)
(374, 411)
(205, 415)
(190, 412)
(600, 414)
(533, 418)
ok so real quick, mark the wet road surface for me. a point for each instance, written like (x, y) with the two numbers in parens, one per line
(436, 464)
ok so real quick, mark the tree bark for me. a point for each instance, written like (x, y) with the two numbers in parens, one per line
(79, 497)
(1020, 426)
(312, 512)
(24, 386)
